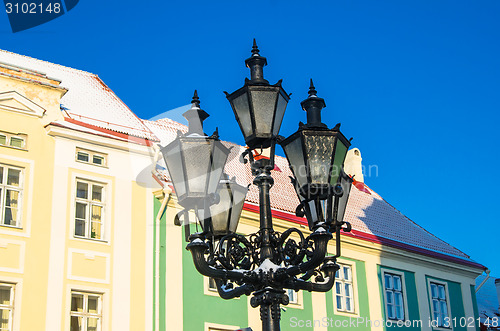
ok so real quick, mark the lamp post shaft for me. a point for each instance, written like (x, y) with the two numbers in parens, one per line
(264, 182)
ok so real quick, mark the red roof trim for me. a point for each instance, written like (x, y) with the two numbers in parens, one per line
(137, 140)
(372, 238)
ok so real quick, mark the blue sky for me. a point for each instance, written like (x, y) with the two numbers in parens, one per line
(416, 83)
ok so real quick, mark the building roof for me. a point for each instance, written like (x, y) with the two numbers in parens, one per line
(372, 218)
(88, 99)
(487, 298)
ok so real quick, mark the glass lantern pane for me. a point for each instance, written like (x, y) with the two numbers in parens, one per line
(173, 160)
(242, 110)
(338, 162)
(197, 162)
(295, 155)
(239, 194)
(346, 183)
(280, 112)
(319, 149)
(220, 212)
(264, 103)
(219, 157)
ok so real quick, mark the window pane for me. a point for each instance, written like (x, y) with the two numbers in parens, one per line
(96, 230)
(398, 299)
(81, 211)
(388, 281)
(390, 298)
(339, 303)
(82, 190)
(435, 306)
(434, 290)
(98, 160)
(80, 228)
(390, 311)
(442, 294)
(444, 309)
(96, 193)
(348, 304)
(77, 302)
(212, 285)
(338, 287)
(337, 274)
(399, 312)
(3, 139)
(4, 295)
(347, 273)
(397, 283)
(11, 204)
(16, 142)
(348, 290)
(93, 306)
(1, 175)
(13, 177)
(92, 324)
(4, 319)
(76, 323)
(81, 156)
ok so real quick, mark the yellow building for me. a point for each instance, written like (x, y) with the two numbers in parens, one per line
(76, 213)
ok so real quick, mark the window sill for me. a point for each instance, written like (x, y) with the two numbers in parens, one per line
(16, 148)
(346, 313)
(11, 226)
(93, 164)
(100, 241)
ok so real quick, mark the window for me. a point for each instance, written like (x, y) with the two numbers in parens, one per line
(394, 296)
(87, 156)
(344, 298)
(13, 140)
(89, 209)
(292, 296)
(212, 286)
(86, 311)
(10, 195)
(6, 306)
(439, 304)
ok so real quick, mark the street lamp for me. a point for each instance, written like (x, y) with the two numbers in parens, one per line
(264, 263)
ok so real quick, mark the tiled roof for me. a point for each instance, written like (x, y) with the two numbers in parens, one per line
(487, 299)
(367, 212)
(88, 99)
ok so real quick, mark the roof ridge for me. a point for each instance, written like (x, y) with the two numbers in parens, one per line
(46, 62)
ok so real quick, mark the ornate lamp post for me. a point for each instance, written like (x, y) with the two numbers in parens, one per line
(264, 263)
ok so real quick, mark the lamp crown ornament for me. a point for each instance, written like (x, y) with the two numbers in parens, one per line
(195, 116)
(313, 106)
(256, 64)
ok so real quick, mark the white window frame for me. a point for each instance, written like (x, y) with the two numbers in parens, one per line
(86, 314)
(89, 203)
(91, 155)
(431, 281)
(403, 292)
(8, 139)
(3, 194)
(10, 306)
(217, 327)
(354, 298)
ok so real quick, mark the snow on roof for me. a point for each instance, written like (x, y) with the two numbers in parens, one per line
(487, 298)
(367, 212)
(88, 99)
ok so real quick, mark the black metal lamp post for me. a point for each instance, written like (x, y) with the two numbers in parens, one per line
(266, 262)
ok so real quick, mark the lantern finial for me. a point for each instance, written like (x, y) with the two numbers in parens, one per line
(312, 91)
(195, 116)
(313, 106)
(256, 64)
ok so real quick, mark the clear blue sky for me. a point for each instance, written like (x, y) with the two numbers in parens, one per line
(416, 83)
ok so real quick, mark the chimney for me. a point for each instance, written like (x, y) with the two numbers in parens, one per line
(352, 164)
